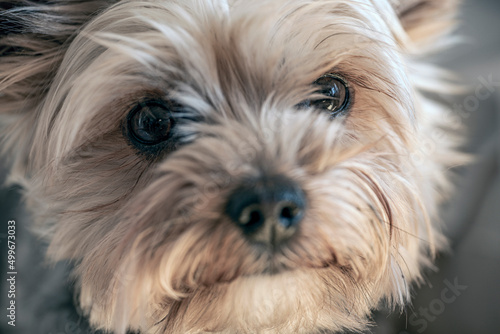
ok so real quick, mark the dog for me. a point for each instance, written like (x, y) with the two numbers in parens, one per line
(230, 166)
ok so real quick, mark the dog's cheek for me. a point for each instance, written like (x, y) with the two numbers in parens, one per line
(104, 175)
(152, 268)
(346, 226)
(368, 213)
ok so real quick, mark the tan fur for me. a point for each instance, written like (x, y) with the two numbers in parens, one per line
(153, 247)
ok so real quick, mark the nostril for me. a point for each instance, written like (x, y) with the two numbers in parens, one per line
(289, 214)
(256, 217)
(252, 216)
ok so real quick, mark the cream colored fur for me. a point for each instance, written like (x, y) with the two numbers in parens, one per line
(153, 248)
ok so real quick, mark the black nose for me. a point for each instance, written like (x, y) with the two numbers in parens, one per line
(268, 210)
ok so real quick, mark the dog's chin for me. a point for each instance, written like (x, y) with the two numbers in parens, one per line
(279, 302)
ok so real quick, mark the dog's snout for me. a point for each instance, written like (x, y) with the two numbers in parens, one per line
(268, 210)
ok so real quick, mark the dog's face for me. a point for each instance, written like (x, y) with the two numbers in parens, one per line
(238, 166)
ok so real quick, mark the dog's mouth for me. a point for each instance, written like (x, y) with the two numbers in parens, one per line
(271, 262)
(278, 268)
(274, 260)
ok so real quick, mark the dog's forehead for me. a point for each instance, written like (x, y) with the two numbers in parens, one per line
(272, 23)
(257, 29)
(245, 43)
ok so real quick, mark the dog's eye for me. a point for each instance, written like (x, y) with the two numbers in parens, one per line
(335, 95)
(150, 122)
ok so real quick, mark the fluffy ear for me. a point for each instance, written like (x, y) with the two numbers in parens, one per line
(426, 20)
(33, 38)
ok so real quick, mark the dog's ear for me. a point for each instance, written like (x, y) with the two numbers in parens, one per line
(425, 20)
(34, 36)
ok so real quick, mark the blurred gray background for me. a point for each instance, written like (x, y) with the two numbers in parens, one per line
(463, 296)
(472, 217)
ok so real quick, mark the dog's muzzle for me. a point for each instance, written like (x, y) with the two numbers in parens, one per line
(268, 209)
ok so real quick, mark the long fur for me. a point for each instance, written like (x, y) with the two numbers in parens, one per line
(153, 249)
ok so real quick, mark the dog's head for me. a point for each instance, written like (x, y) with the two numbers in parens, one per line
(228, 165)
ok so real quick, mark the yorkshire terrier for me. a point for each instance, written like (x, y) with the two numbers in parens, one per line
(228, 166)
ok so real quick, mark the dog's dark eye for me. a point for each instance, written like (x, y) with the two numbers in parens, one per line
(150, 122)
(335, 95)
(150, 127)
